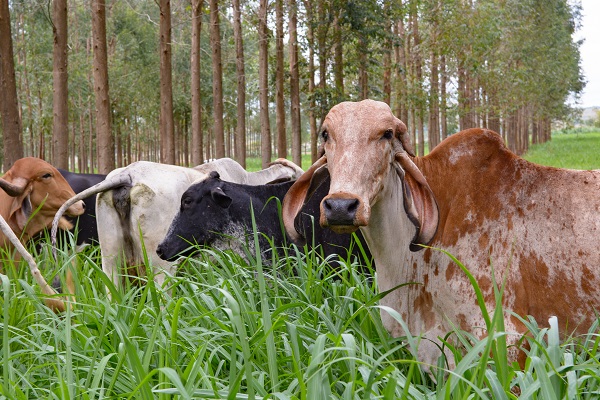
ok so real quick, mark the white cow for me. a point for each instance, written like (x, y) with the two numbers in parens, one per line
(136, 204)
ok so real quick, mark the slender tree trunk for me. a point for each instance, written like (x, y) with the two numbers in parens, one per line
(263, 82)
(215, 40)
(443, 101)
(9, 103)
(338, 57)
(387, 59)
(167, 128)
(60, 98)
(311, 80)
(105, 141)
(279, 83)
(240, 131)
(434, 111)
(197, 150)
(363, 76)
(294, 85)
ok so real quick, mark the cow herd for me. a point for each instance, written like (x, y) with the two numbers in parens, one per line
(534, 230)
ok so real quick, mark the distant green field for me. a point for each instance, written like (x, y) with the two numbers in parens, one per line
(573, 150)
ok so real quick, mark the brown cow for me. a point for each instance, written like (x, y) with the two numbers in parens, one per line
(537, 227)
(33, 191)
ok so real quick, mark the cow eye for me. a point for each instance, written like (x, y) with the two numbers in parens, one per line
(186, 202)
(388, 134)
(325, 135)
(46, 176)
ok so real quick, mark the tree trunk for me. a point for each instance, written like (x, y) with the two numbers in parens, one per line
(443, 101)
(338, 58)
(105, 141)
(263, 82)
(434, 105)
(167, 128)
(60, 97)
(240, 131)
(9, 103)
(294, 85)
(310, 37)
(197, 150)
(279, 80)
(215, 41)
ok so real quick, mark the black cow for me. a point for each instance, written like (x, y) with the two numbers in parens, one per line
(86, 223)
(217, 213)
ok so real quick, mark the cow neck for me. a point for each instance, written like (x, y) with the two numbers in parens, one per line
(388, 235)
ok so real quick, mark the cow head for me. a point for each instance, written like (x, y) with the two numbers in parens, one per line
(203, 214)
(363, 143)
(34, 185)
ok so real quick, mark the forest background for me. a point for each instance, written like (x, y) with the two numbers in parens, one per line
(94, 85)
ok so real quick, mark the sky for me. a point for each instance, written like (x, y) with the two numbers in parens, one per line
(590, 52)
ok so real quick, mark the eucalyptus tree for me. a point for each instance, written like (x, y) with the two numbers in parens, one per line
(9, 104)
(60, 75)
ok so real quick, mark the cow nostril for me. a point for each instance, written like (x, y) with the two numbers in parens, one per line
(352, 206)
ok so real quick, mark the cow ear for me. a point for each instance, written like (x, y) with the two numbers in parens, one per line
(219, 197)
(296, 197)
(21, 210)
(419, 201)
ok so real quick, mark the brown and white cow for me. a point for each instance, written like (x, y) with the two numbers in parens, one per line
(537, 227)
(33, 191)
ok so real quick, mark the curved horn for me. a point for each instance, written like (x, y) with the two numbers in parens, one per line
(12, 189)
(54, 303)
(103, 186)
(419, 201)
(295, 198)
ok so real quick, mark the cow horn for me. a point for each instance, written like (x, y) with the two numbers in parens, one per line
(54, 303)
(107, 184)
(12, 189)
(295, 198)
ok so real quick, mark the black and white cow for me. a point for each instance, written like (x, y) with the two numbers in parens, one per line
(218, 214)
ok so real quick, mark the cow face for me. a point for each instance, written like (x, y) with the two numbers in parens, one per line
(365, 149)
(204, 213)
(34, 185)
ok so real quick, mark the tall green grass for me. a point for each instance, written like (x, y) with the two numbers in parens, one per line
(295, 327)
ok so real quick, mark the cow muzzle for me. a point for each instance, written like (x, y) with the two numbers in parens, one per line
(76, 209)
(342, 213)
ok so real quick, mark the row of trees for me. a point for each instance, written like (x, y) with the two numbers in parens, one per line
(96, 85)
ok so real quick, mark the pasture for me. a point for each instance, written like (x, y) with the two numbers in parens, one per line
(247, 328)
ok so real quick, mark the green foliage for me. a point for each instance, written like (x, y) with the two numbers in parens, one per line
(295, 327)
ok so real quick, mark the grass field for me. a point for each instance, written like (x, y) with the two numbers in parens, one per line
(577, 151)
(290, 328)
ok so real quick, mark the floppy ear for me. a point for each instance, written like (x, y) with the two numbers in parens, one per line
(296, 196)
(20, 210)
(419, 201)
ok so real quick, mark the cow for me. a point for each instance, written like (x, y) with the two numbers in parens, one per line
(535, 228)
(217, 213)
(136, 204)
(33, 191)
(87, 231)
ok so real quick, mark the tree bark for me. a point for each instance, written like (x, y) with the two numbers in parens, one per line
(294, 85)
(215, 41)
(263, 81)
(167, 128)
(105, 140)
(9, 102)
(60, 97)
(197, 149)
(312, 120)
(240, 131)
(279, 80)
